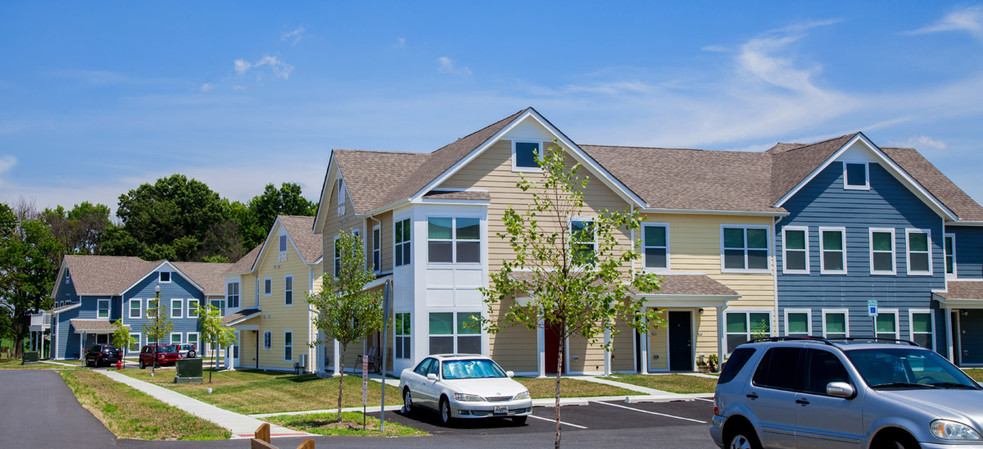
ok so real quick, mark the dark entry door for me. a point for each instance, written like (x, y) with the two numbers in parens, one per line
(551, 335)
(680, 341)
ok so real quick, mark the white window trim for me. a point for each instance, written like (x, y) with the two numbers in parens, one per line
(170, 339)
(265, 347)
(570, 241)
(397, 247)
(455, 314)
(285, 345)
(897, 322)
(376, 249)
(336, 257)
(516, 168)
(808, 313)
(397, 337)
(342, 196)
(747, 320)
(907, 250)
(955, 267)
(785, 269)
(822, 252)
(239, 295)
(668, 266)
(170, 277)
(846, 320)
(454, 240)
(187, 312)
(866, 185)
(911, 323)
(180, 308)
(129, 313)
(894, 252)
(138, 341)
(197, 343)
(291, 277)
(265, 291)
(767, 249)
(109, 311)
(286, 243)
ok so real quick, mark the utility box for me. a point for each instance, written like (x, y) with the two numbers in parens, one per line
(30, 358)
(188, 371)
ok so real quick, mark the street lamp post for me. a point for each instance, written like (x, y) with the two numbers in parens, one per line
(153, 365)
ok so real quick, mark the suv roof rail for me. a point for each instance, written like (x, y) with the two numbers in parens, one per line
(792, 338)
(879, 339)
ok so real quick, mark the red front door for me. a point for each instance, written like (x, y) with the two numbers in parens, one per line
(551, 333)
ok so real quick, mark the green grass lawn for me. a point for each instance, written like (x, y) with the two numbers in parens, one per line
(16, 364)
(248, 392)
(351, 425)
(129, 413)
(975, 373)
(674, 383)
(570, 388)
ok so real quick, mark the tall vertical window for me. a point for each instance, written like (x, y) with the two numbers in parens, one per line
(795, 240)
(797, 323)
(919, 251)
(833, 254)
(288, 346)
(401, 245)
(232, 294)
(283, 243)
(524, 156)
(193, 339)
(887, 325)
(177, 306)
(288, 290)
(267, 339)
(950, 255)
(135, 304)
(835, 324)
(882, 251)
(453, 239)
(376, 249)
(922, 328)
(337, 256)
(455, 333)
(402, 333)
(219, 305)
(856, 176)
(192, 308)
(134, 343)
(656, 245)
(745, 248)
(583, 242)
(102, 308)
(267, 286)
(341, 197)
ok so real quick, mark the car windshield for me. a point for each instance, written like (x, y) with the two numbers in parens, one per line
(165, 349)
(472, 369)
(907, 368)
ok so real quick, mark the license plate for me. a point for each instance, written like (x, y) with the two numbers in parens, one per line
(501, 410)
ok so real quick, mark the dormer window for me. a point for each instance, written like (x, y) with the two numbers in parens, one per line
(341, 197)
(856, 176)
(164, 277)
(524, 156)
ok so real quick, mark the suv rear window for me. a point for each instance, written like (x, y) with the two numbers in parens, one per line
(779, 369)
(737, 360)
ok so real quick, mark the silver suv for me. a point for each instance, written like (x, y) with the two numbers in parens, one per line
(814, 393)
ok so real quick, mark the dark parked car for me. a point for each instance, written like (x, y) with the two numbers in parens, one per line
(166, 355)
(102, 355)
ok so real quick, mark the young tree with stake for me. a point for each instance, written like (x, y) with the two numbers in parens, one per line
(214, 330)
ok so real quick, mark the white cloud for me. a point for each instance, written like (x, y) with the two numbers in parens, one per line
(401, 41)
(969, 19)
(6, 163)
(294, 36)
(279, 68)
(446, 65)
(921, 143)
(207, 87)
(767, 58)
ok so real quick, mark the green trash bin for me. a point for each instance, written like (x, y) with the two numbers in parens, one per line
(188, 371)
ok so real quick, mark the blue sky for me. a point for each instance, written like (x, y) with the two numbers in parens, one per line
(97, 98)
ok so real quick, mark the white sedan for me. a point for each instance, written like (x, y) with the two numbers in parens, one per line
(464, 386)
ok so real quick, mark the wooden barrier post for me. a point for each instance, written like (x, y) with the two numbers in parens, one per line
(262, 440)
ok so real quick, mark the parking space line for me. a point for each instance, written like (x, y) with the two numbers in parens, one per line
(652, 413)
(704, 399)
(554, 420)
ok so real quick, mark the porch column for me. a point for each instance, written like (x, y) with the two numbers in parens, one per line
(337, 357)
(541, 348)
(721, 335)
(948, 336)
(607, 353)
(81, 342)
(644, 366)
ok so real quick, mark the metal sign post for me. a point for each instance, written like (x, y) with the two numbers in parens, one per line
(872, 312)
(387, 296)
(365, 385)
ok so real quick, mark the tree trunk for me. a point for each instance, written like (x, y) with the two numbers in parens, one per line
(341, 378)
(559, 372)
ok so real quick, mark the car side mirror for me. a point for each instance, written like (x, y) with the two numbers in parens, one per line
(431, 376)
(510, 373)
(840, 390)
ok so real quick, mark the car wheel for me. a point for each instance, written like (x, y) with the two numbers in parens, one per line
(898, 442)
(519, 420)
(407, 401)
(142, 365)
(743, 439)
(156, 364)
(445, 412)
(191, 354)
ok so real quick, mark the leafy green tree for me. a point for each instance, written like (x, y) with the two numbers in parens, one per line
(80, 229)
(346, 312)
(121, 336)
(576, 274)
(214, 330)
(157, 327)
(264, 208)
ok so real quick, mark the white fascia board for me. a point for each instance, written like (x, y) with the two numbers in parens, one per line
(895, 170)
(968, 224)
(453, 202)
(154, 270)
(713, 212)
(318, 220)
(70, 307)
(58, 280)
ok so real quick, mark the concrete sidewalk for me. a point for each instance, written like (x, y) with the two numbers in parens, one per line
(241, 426)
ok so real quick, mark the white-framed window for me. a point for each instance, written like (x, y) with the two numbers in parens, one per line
(453, 240)
(832, 254)
(163, 277)
(524, 154)
(887, 323)
(288, 290)
(856, 176)
(152, 304)
(402, 332)
(218, 304)
(798, 322)
(136, 308)
(341, 197)
(655, 246)
(193, 307)
(177, 306)
(267, 286)
(744, 248)
(283, 243)
(455, 333)
(134, 343)
(401, 243)
(175, 338)
(267, 340)
(836, 323)
(745, 325)
(919, 251)
(950, 256)
(288, 346)
(376, 249)
(192, 338)
(882, 251)
(232, 294)
(337, 256)
(795, 244)
(583, 241)
(921, 327)
(102, 308)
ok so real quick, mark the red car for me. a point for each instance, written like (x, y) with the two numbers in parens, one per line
(166, 355)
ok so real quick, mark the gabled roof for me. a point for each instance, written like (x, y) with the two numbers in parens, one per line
(792, 163)
(309, 245)
(114, 275)
(245, 263)
(937, 183)
(372, 176)
(207, 275)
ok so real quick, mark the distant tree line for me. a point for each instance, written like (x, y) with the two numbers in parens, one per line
(176, 218)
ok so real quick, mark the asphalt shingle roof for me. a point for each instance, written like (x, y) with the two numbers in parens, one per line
(112, 275)
(299, 227)
(962, 290)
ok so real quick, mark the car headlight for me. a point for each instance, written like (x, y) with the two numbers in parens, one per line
(522, 395)
(951, 430)
(465, 397)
